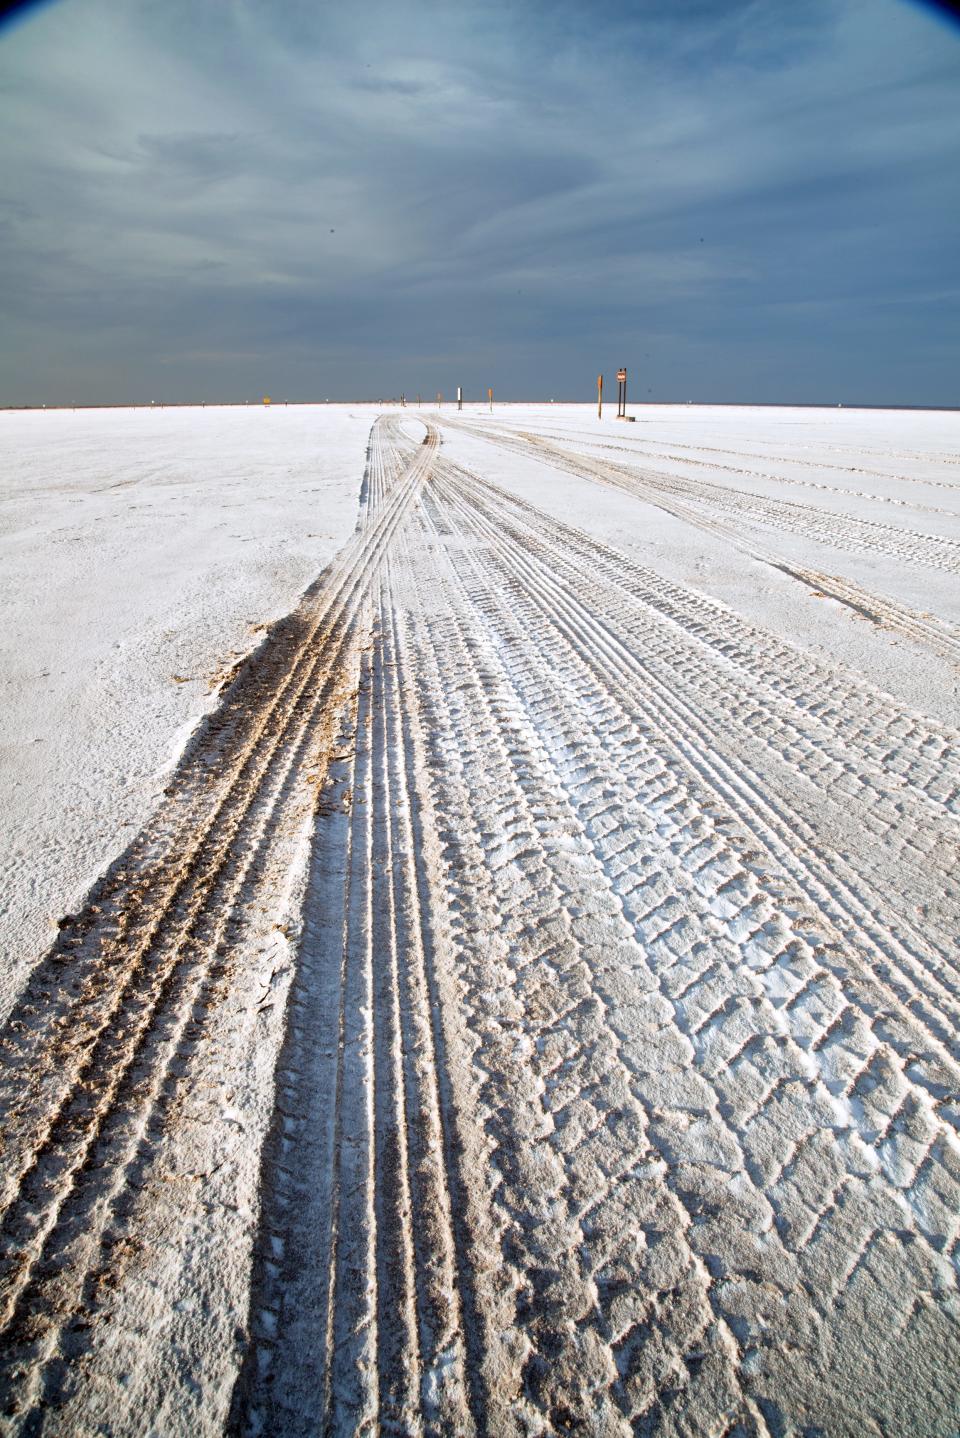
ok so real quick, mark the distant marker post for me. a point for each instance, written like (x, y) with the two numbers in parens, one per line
(459, 397)
(490, 398)
(599, 396)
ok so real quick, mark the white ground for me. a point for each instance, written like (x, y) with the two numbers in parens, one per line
(895, 468)
(141, 553)
(142, 550)
(531, 1005)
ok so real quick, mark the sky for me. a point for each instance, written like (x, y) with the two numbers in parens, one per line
(739, 200)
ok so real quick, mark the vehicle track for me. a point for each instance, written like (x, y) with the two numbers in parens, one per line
(772, 477)
(798, 1096)
(358, 1270)
(885, 613)
(718, 502)
(103, 1017)
(853, 710)
(618, 1086)
(713, 506)
(926, 846)
(522, 908)
(644, 443)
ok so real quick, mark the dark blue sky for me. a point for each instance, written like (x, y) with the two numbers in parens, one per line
(740, 201)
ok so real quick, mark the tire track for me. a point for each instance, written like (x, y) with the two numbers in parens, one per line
(715, 745)
(905, 746)
(560, 1361)
(134, 973)
(787, 830)
(618, 1085)
(645, 448)
(923, 629)
(644, 440)
(789, 1067)
(707, 506)
(361, 1260)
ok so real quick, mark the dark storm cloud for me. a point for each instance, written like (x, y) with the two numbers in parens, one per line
(217, 200)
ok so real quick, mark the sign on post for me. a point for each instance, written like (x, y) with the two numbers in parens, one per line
(621, 394)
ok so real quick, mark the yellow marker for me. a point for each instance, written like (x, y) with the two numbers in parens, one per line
(266, 399)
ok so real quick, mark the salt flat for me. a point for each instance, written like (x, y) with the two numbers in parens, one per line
(141, 553)
(529, 1006)
(896, 470)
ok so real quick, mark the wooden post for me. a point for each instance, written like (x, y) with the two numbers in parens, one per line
(599, 396)
(490, 398)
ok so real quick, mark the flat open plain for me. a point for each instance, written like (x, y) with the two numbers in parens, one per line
(528, 1005)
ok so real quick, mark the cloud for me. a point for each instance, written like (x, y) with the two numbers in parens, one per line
(364, 200)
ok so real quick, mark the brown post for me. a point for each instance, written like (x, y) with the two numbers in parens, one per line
(599, 396)
(490, 398)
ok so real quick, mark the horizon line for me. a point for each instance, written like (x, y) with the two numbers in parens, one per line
(477, 403)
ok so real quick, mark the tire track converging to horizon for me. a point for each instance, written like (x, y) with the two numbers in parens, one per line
(603, 856)
(102, 1018)
(723, 510)
(617, 1085)
(360, 1261)
(834, 1013)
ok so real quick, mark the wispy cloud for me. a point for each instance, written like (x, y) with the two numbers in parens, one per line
(339, 200)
